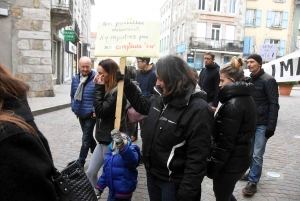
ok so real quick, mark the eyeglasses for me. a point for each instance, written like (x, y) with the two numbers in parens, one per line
(207, 58)
(124, 138)
(139, 61)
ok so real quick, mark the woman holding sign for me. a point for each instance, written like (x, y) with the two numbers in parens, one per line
(105, 106)
(177, 132)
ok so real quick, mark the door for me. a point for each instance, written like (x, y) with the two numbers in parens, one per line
(215, 36)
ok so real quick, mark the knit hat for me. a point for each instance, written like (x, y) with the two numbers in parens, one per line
(256, 57)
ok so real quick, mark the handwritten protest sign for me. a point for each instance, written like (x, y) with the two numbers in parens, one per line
(125, 38)
(268, 52)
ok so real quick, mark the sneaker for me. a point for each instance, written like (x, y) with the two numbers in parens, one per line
(245, 177)
(250, 189)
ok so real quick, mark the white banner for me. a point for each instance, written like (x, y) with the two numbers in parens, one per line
(286, 68)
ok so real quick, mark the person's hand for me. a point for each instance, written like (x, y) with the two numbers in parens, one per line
(117, 137)
(98, 193)
(119, 76)
(213, 108)
(99, 79)
(269, 134)
(94, 115)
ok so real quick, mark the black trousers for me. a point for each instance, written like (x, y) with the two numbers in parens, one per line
(224, 184)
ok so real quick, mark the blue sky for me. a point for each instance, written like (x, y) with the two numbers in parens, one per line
(136, 9)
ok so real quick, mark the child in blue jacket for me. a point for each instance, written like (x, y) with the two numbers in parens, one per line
(120, 168)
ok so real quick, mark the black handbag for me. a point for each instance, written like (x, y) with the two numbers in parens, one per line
(72, 184)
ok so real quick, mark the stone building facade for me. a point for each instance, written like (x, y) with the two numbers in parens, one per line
(26, 43)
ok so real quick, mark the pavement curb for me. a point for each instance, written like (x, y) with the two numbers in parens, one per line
(50, 109)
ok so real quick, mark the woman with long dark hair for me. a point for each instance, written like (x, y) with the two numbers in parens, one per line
(25, 165)
(105, 107)
(176, 133)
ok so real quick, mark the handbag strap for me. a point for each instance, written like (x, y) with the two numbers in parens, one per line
(57, 177)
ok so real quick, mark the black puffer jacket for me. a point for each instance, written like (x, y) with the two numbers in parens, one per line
(176, 137)
(235, 125)
(105, 109)
(266, 99)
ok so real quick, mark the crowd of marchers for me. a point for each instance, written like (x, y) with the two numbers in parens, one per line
(214, 124)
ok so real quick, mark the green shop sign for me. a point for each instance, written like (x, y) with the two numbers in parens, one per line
(69, 35)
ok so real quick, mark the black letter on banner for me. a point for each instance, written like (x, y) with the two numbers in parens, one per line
(273, 70)
(298, 68)
(286, 67)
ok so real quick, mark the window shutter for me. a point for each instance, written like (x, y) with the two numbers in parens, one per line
(246, 45)
(282, 47)
(285, 17)
(267, 41)
(258, 18)
(269, 18)
(251, 49)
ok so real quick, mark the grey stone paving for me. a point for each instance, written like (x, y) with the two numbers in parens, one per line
(282, 154)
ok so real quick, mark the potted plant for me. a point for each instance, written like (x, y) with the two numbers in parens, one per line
(285, 88)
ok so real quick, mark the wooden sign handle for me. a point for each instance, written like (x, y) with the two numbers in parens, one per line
(120, 95)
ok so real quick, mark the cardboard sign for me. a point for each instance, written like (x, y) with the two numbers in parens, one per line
(268, 52)
(135, 38)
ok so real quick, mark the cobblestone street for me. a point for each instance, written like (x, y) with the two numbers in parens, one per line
(282, 154)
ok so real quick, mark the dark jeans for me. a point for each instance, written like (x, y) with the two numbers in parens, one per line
(160, 190)
(88, 141)
(224, 184)
(110, 198)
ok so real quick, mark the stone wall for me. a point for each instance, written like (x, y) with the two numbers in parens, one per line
(31, 44)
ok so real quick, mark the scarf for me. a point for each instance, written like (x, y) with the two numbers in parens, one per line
(78, 94)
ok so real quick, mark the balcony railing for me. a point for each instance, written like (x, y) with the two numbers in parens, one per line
(219, 45)
(61, 12)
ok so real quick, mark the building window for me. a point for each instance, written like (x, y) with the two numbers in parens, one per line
(184, 6)
(168, 42)
(215, 32)
(201, 5)
(183, 30)
(277, 19)
(174, 37)
(178, 36)
(232, 4)
(253, 17)
(217, 5)
(250, 17)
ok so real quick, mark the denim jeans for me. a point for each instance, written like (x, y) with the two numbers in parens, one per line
(88, 141)
(160, 190)
(259, 147)
(111, 198)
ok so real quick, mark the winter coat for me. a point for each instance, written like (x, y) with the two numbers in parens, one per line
(105, 109)
(209, 80)
(146, 80)
(25, 167)
(235, 125)
(83, 108)
(21, 108)
(266, 99)
(176, 137)
(120, 172)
